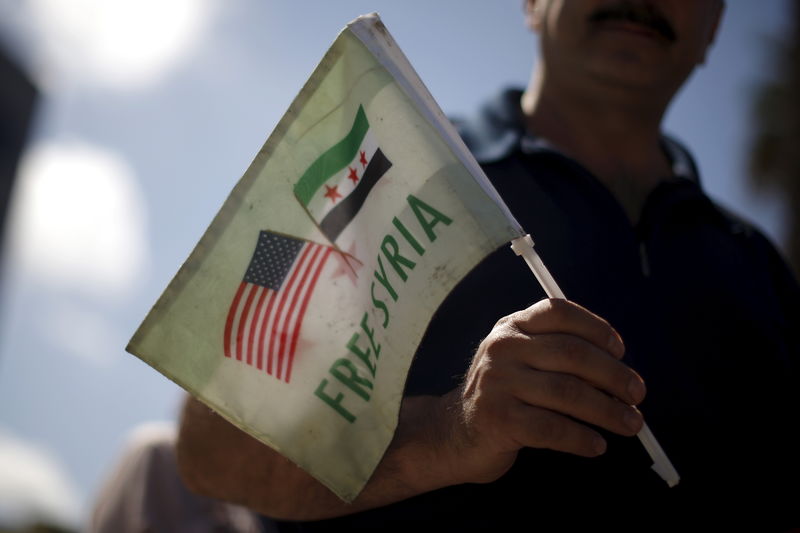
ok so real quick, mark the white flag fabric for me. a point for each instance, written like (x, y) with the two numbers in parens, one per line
(297, 315)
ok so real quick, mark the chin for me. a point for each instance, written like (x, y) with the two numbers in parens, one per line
(630, 68)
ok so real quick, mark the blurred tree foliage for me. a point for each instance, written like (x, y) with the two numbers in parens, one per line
(775, 152)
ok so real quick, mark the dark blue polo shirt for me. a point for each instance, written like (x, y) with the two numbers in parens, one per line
(709, 314)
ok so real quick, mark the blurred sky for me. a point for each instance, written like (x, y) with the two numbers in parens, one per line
(152, 110)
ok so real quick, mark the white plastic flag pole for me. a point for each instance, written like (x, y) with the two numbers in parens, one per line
(661, 464)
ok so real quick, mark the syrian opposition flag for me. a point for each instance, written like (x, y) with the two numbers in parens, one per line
(336, 185)
(298, 313)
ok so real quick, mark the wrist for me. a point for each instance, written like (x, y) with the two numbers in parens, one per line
(427, 436)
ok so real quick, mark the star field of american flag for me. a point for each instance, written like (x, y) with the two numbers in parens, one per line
(272, 259)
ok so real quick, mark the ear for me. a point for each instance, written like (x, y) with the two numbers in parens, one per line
(533, 15)
(716, 17)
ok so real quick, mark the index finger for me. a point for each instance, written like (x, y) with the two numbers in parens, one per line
(563, 316)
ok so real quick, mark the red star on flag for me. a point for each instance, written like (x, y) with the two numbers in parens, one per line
(353, 176)
(332, 193)
(363, 160)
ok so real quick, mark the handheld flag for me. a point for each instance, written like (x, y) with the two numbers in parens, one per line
(298, 313)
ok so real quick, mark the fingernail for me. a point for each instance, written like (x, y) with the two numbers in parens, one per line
(599, 445)
(636, 389)
(615, 345)
(632, 421)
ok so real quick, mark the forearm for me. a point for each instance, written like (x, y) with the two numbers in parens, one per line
(217, 459)
(541, 378)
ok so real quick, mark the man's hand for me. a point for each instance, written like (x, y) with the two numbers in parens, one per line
(536, 379)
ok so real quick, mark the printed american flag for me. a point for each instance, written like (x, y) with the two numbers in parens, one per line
(264, 320)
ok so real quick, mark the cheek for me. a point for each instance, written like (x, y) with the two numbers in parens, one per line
(698, 29)
(553, 13)
(695, 47)
(565, 20)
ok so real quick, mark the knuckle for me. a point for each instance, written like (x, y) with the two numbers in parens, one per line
(503, 342)
(621, 384)
(510, 322)
(549, 430)
(558, 308)
(502, 322)
(613, 412)
(500, 341)
(571, 350)
(564, 388)
(565, 351)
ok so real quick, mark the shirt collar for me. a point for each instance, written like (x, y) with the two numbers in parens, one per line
(499, 129)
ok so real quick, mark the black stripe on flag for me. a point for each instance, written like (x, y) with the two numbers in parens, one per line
(340, 216)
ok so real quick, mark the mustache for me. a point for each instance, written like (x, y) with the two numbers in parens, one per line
(645, 14)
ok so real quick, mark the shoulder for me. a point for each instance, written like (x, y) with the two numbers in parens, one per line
(765, 257)
(495, 130)
(762, 271)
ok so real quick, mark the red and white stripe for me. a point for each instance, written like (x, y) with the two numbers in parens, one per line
(263, 326)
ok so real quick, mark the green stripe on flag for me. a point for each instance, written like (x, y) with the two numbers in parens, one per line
(333, 160)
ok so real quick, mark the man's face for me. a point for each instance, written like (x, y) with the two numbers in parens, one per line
(645, 44)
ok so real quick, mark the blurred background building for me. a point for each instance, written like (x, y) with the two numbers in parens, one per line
(17, 103)
(775, 151)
